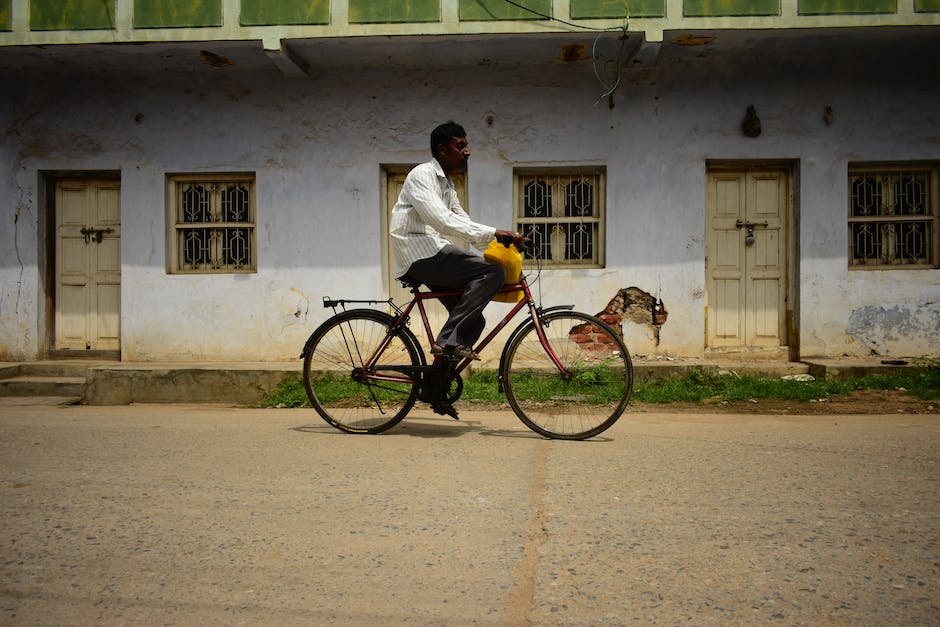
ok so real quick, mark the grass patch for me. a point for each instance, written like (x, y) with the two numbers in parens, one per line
(696, 387)
(288, 393)
(700, 386)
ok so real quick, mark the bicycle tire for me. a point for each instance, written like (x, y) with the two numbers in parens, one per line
(333, 353)
(591, 399)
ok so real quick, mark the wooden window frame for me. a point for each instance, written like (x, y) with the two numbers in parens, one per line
(222, 235)
(558, 178)
(889, 219)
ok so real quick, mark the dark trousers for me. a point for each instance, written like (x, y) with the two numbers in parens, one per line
(451, 269)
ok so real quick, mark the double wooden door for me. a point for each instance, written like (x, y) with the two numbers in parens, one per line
(746, 258)
(88, 264)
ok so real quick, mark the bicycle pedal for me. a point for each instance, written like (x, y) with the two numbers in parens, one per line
(445, 409)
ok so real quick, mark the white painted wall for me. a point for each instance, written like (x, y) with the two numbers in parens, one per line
(316, 146)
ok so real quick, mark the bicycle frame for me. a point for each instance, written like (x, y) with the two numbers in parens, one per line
(371, 371)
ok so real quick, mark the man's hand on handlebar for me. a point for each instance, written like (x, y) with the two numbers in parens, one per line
(512, 237)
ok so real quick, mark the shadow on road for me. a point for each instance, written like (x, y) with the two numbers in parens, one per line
(425, 427)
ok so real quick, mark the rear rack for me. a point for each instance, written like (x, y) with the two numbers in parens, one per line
(332, 303)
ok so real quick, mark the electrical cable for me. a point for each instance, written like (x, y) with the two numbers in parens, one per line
(609, 89)
(561, 21)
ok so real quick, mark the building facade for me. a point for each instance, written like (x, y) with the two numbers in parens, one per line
(187, 180)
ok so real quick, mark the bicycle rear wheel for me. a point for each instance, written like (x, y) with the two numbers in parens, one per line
(333, 376)
(585, 402)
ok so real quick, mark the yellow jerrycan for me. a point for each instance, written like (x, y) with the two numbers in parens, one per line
(510, 259)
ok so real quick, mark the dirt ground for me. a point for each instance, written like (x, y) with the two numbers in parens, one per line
(205, 514)
(859, 402)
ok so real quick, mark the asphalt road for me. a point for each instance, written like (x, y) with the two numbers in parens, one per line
(170, 514)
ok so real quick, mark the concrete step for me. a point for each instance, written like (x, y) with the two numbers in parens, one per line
(29, 385)
(59, 368)
(58, 382)
(50, 401)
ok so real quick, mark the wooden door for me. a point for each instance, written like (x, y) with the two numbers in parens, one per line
(88, 265)
(746, 258)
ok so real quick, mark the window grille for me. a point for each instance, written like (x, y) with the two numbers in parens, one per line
(562, 212)
(213, 224)
(892, 217)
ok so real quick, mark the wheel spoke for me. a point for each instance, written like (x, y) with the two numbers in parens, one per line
(592, 393)
(340, 346)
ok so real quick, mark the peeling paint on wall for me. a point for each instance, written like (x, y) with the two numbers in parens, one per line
(303, 305)
(901, 330)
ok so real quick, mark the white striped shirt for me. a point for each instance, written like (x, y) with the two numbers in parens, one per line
(428, 216)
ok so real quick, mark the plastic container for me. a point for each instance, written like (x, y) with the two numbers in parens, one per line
(510, 259)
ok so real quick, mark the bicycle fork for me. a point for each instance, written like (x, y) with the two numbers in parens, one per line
(535, 314)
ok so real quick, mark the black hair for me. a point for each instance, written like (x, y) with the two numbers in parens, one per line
(444, 133)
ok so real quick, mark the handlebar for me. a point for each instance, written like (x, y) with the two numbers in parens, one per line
(524, 244)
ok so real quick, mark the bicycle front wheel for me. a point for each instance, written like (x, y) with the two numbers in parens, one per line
(338, 387)
(584, 399)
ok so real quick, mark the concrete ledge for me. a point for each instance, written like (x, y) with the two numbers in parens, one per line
(854, 368)
(656, 370)
(173, 383)
(123, 383)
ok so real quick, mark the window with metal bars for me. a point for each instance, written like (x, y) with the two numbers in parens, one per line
(213, 220)
(562, 212)
(893, 216)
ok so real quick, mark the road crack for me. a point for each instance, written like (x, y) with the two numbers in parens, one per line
(520, 601)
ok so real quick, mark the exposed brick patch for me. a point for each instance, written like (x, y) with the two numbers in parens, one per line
(591, 339)
(634, 305)
(629, 304)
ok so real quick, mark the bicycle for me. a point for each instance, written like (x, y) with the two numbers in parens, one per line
(566, 374)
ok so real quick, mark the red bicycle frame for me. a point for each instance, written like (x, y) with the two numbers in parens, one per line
(369, 365)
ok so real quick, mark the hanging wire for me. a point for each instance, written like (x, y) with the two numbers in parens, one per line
(609, 88)
(620, 60)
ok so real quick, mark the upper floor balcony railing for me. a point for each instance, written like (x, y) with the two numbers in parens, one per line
(42, 22)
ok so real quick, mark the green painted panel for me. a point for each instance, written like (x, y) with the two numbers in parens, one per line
(267, 13)
(70, 14)
(388, 11)
(177, 13)
(926, 6)
(587, 9)
(847, 7)
(6, 15)
(474, 10)
(710, 8)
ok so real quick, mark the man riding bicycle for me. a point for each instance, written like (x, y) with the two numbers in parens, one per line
(566, 374)
(425, 218)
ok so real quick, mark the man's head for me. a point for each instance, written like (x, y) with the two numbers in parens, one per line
(450, 147)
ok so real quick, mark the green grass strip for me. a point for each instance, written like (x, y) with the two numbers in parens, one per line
(696, 387)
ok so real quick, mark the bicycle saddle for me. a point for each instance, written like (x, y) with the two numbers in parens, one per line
(409, 283)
